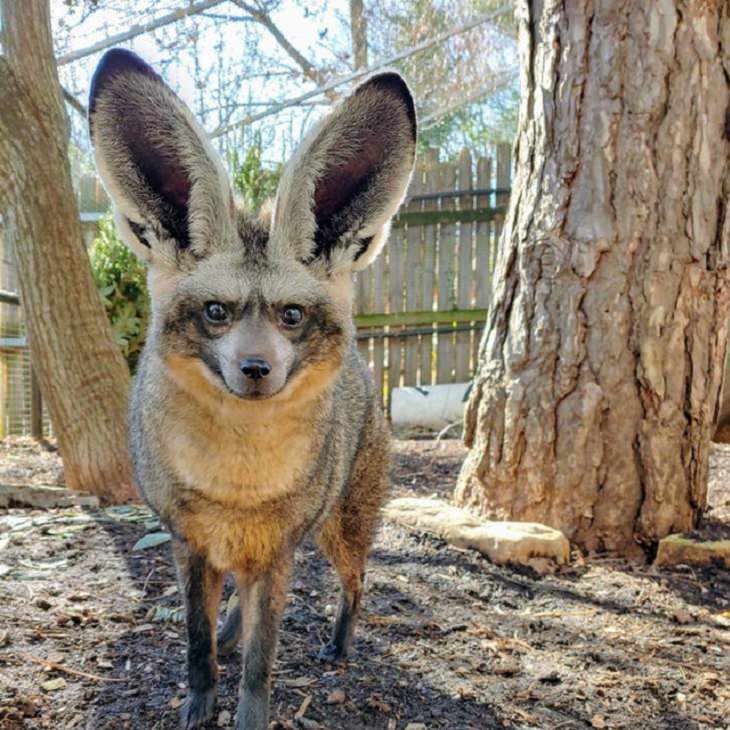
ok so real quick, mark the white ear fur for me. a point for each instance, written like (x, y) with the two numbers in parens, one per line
(340, 190)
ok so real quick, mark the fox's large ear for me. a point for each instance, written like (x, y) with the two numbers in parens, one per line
(170, 191)
(342, 187)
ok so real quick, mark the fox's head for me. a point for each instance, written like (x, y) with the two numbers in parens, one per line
(251, 302)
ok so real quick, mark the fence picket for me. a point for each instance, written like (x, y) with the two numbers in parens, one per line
(412, 280)
(465, 272)
(484, 230)
(446, 259)
(431, 183)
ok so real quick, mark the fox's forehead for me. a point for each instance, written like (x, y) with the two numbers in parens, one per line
(251, 274)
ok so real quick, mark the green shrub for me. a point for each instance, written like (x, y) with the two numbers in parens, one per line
(122, 283)
(254, 182)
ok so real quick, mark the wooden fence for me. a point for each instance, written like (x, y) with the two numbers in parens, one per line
(421, 307)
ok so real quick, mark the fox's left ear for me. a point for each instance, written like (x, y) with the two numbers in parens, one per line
(340, 190)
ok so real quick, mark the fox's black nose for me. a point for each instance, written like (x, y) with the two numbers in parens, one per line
(255, 368)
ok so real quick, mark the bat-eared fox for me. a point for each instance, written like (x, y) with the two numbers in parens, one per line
(253, 420)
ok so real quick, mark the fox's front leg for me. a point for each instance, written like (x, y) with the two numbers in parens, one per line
(201, 587)
(261, 605)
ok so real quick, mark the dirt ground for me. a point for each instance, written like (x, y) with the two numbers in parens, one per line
(91, 633)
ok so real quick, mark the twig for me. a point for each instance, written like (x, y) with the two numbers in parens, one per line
(446, 429)
(67, 670)
(303, 707)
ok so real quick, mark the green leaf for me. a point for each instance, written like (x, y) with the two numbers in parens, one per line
(153, 539)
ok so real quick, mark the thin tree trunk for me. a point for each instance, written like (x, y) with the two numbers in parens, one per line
(600, 370)
(358, 34)
(82, 374)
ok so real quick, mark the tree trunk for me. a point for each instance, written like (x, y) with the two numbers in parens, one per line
(82, 374)
(601, 366)
(358, 34)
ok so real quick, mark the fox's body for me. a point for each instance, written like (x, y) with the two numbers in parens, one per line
(244, 481)
(253, 420)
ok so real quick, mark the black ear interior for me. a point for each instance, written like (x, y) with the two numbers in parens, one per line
(164, 176)
(348, 190)
(166, 182)
(340, 194)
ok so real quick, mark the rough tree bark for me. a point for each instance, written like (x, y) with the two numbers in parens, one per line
(82, 374)
(600, 370)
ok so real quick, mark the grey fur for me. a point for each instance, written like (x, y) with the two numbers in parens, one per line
(240, 482)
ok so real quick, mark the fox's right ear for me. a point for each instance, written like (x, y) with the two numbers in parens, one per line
(169, 189)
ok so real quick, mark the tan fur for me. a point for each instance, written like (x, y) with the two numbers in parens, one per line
(239, 462)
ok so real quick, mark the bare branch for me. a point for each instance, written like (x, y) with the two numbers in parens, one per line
(74, 102)
(500, 79)
(406, 53)
(264, 19)
(136, 30)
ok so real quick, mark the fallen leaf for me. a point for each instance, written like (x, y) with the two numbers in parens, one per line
(153, 539)
(54, 684)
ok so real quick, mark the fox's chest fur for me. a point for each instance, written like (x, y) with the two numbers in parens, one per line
(241, 483)
(238, 465)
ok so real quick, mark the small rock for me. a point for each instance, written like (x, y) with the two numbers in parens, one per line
(54, 684)
(43, 603)
(224, 719)
(416, 726)
(501, 542)
(682, 616)
(508, 666)
(551, 678)
(175, 702)
(79, 597)
(336, 697)
(329, 610)
(598, 722)
(4, 638)
(677, 549)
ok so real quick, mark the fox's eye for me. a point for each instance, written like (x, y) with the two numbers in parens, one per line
(216, 312)
(291, 315)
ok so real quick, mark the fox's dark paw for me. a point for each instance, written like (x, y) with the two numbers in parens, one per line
(331, 653)
(197, 709)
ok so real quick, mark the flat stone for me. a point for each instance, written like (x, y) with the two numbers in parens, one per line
(501, 542)
(43, 497)
(681, 550)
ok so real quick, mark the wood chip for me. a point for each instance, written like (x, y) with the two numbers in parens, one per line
(302, 711)
(336, 697)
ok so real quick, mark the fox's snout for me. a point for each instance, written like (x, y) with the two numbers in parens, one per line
(253, 358)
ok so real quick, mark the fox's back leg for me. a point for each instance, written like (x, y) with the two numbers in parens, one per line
(347, 535)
